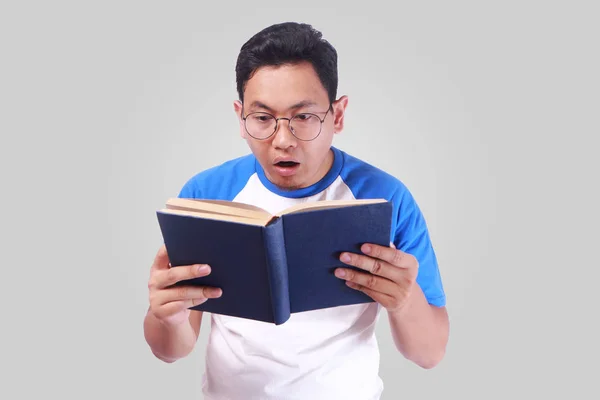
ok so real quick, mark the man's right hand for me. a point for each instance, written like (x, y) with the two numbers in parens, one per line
(170, 304)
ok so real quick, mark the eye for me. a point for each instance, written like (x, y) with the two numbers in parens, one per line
(261, 117)
(303, 117)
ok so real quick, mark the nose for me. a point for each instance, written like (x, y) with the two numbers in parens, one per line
(283, 137)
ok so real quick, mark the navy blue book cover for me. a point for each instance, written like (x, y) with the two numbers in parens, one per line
(266, 273)
(314, 242)
(237, 257)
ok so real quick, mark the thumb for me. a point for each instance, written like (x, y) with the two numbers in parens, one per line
(161, 260)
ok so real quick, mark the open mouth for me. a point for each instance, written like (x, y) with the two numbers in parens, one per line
(286, 164)
(286, 168)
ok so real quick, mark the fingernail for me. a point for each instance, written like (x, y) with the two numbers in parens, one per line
(202, 269)
(217, 292)
(345, 257)
(340, 273)
(366, 249)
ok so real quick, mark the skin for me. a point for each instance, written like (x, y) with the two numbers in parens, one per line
(420, 330)
(279, 91)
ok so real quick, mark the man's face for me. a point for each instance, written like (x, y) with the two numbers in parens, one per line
(286, 91)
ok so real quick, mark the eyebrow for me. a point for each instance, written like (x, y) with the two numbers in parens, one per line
(301, 104)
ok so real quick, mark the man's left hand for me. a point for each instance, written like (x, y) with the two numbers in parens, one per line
(389, 278)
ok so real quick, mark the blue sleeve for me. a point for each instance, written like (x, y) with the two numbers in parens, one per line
(411, 235)
(221, 182)
(188, 191)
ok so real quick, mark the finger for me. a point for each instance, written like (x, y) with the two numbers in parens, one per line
(187, 293)
(369, 281)
(171, 308)
(197, 302)
(391, 255)
(174, 307)
(180, 273)
(161, 260)
(373, 265)
(382, 298)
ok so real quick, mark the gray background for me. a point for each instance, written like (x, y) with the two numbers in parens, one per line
(488, 111)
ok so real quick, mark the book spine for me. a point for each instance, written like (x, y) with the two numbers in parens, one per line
(277, 270)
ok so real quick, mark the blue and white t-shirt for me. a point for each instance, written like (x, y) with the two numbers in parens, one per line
(323, 354)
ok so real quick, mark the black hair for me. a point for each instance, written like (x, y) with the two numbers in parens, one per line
(288, 43)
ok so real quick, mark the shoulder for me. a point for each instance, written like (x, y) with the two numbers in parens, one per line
(368, 181)
(220, 182)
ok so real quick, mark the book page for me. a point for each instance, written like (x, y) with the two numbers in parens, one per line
(218, 217)
(319, 205)
(235, 204)
(222, 207)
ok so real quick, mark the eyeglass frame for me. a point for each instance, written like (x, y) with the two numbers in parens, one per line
(289, 122)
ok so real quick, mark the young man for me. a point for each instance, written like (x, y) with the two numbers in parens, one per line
(289, 114)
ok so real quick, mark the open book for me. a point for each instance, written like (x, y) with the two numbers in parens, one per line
(270, 266)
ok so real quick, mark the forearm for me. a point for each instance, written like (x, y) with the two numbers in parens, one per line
(169, 343)
(420, 330)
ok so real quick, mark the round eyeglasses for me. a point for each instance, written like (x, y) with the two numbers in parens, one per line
(304, 126)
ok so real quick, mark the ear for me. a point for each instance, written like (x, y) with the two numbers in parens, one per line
(339, 108)
(238, 108)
